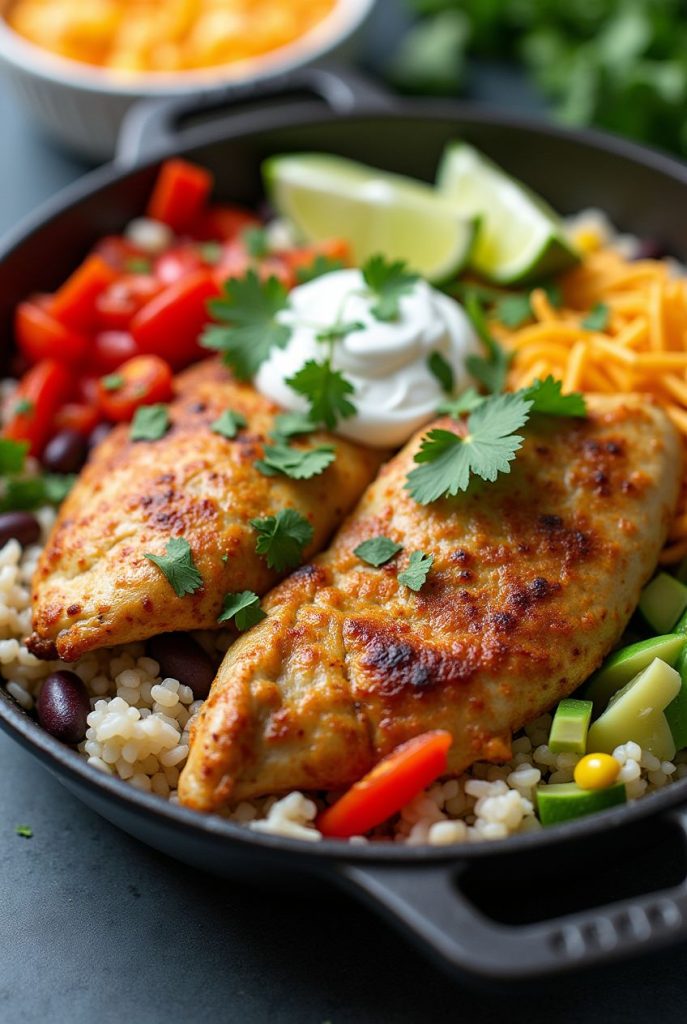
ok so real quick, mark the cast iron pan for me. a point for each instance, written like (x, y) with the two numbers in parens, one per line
(431, 892)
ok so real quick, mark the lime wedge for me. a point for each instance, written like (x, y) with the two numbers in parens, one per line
(376, 212)
(520, 238)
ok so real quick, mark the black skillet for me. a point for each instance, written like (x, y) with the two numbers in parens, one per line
(432, 892)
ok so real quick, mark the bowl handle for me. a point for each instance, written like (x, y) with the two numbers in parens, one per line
(428, 903)
(155, 127)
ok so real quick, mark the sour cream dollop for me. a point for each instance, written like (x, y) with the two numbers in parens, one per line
(385, 361)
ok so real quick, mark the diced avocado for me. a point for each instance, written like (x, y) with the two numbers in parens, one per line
(623, 665)
(564, 801)
(570, 725)
(637, 712)
(676, 712)
(663, 601)
(681, 572)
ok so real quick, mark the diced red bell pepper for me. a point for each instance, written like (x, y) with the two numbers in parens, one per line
(170, 324)
(74, 303)
(181, 191)
(41, 392)
(40, 336)
(222, 223)
(143, 380)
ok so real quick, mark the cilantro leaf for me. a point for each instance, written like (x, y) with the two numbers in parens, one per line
(25, 831)
(282, 538)
(12, 455)
(597, 319)
(150, 423)
(339, 331)
(256, 242)
(442, 370)
(210, 253)
(320, 265)
(325, 390)
(24, 407)
(448, 461)
(28, 492)
(290, 424)
(388, 282)
(138, 265)
(228, 424)
(457, 407)
(178, 566)
(415, 574)
(513, 310)
(112, 381)
(377, 550)
(296, 463)
(249, 310)
(244, 608)
(545, 396)
(489, 370)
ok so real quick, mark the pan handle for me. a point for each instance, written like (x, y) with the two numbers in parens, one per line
(428, 903)
(157, 126)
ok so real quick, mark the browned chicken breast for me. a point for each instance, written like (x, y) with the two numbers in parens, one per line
(534, 579)
(94, 587)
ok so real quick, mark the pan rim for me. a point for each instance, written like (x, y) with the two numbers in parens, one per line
(64, 761)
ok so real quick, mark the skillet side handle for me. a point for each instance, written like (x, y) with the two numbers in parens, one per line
(428, 903)
(156, 126)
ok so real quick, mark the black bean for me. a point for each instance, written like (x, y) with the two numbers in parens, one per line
(98, 434)
(65, 452)
(21, 526)
(181, 657)
(63, 707)
(650, 249)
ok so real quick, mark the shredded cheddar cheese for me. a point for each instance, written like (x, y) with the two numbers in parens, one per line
(164, 35)
(642, 348)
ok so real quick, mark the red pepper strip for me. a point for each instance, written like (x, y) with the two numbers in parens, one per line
(388, 787)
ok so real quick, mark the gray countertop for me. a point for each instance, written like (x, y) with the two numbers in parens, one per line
(95, 927)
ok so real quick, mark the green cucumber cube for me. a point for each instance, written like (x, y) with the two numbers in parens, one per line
(564, 801)
(637, 712)
(662, 602)
(623, 665)
(676, 712)
(570, 725)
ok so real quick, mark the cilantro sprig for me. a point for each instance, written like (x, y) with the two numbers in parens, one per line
(490, 369)
(415, 574)
(547, 398)
(296, 463)
(447, 461)
(20, 490)
(249, 327)
(178, 566)
(282, 538)
(377, 550)
(150, 423)
(320, 265)
(442, 370)
(244, 608)
(326, 391)
(387, 281)
(228, 424)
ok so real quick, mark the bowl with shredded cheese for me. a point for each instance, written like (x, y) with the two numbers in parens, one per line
(79, 66)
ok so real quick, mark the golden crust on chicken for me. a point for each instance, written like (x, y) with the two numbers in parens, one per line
(534, 580)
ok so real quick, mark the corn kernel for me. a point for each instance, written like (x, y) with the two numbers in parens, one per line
(596, 771)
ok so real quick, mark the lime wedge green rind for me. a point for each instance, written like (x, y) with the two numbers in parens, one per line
(376, 212)
(521, 239)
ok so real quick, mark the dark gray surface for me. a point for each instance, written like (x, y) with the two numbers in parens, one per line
(95, 927)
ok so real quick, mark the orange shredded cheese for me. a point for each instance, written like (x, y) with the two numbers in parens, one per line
(643, 347)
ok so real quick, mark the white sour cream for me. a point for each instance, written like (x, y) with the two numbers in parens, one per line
(386, 362)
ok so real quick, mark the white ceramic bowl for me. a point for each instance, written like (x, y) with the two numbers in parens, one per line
(83, 106)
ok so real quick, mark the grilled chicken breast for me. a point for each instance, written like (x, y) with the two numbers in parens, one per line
(94, 587)
(534, 580)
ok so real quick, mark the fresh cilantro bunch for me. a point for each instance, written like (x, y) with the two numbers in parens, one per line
(282, 538)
